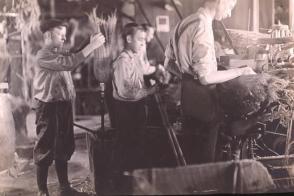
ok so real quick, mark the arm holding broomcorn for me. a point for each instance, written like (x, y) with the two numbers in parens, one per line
(96, 41)
(67, 62)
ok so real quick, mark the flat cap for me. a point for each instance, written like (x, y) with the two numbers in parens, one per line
(49, 24)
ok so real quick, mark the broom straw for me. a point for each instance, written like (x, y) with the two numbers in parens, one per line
(104, 55)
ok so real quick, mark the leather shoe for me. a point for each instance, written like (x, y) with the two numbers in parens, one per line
(43, 193)
(68, 191)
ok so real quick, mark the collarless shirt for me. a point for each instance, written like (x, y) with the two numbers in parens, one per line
(53, 80)
(128, 81)
(192, 45)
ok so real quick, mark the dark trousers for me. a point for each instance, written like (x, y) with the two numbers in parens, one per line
(54, 126)
(55, 141)
(130, 121)
(201, 115)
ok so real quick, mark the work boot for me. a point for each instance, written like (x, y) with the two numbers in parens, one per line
(43, 193)
(68, 191)
(62, 174)
(42, 174)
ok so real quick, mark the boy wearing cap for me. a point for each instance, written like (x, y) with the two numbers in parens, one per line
(54, 92)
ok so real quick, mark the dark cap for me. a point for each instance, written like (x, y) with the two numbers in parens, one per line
(130, 29)
(49, 24)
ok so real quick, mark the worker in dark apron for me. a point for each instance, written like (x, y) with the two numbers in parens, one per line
(190, 55)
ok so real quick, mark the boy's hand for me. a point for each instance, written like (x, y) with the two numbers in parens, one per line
(159, 73)
(154, 89)
(248, 71)
(97, 40)
(161, 68)
(164, 75)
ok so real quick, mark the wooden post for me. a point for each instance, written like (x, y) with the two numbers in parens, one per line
(102, 109)
(291, 15)
(177, 150)
(52, 8)
(273, 11)
(255, 18)
(266, 14)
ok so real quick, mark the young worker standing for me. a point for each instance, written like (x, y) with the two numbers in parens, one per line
(54, 92)
(129, 92)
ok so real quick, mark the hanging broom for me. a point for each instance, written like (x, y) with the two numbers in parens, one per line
(104, 55)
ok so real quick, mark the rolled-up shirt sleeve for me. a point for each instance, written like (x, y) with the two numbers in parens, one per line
(59, 62)
(127, 81)
(203, 52)
(148, 69)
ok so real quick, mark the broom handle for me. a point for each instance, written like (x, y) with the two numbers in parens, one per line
(85, 128)
(102, 89)
(172, 137)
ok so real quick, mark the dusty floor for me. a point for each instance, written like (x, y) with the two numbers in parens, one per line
(20, 179)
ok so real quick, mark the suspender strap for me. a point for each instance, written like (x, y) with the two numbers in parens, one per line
(178, 33)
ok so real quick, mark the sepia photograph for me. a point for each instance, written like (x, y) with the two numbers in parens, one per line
(146, 97)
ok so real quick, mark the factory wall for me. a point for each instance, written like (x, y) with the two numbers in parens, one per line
(150, 10)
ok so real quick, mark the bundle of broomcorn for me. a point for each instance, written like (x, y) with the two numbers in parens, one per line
(245, 95)
(284, 87)
(104, 55)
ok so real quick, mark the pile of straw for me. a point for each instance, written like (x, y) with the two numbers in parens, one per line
(244, 95)
(104, 55)
(284, 87)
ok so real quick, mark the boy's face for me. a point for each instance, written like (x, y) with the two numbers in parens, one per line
(224, 9)
(137, 42)
(58, 36)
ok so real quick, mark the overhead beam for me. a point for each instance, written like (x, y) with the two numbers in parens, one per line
(177, 9)
(52, 8)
